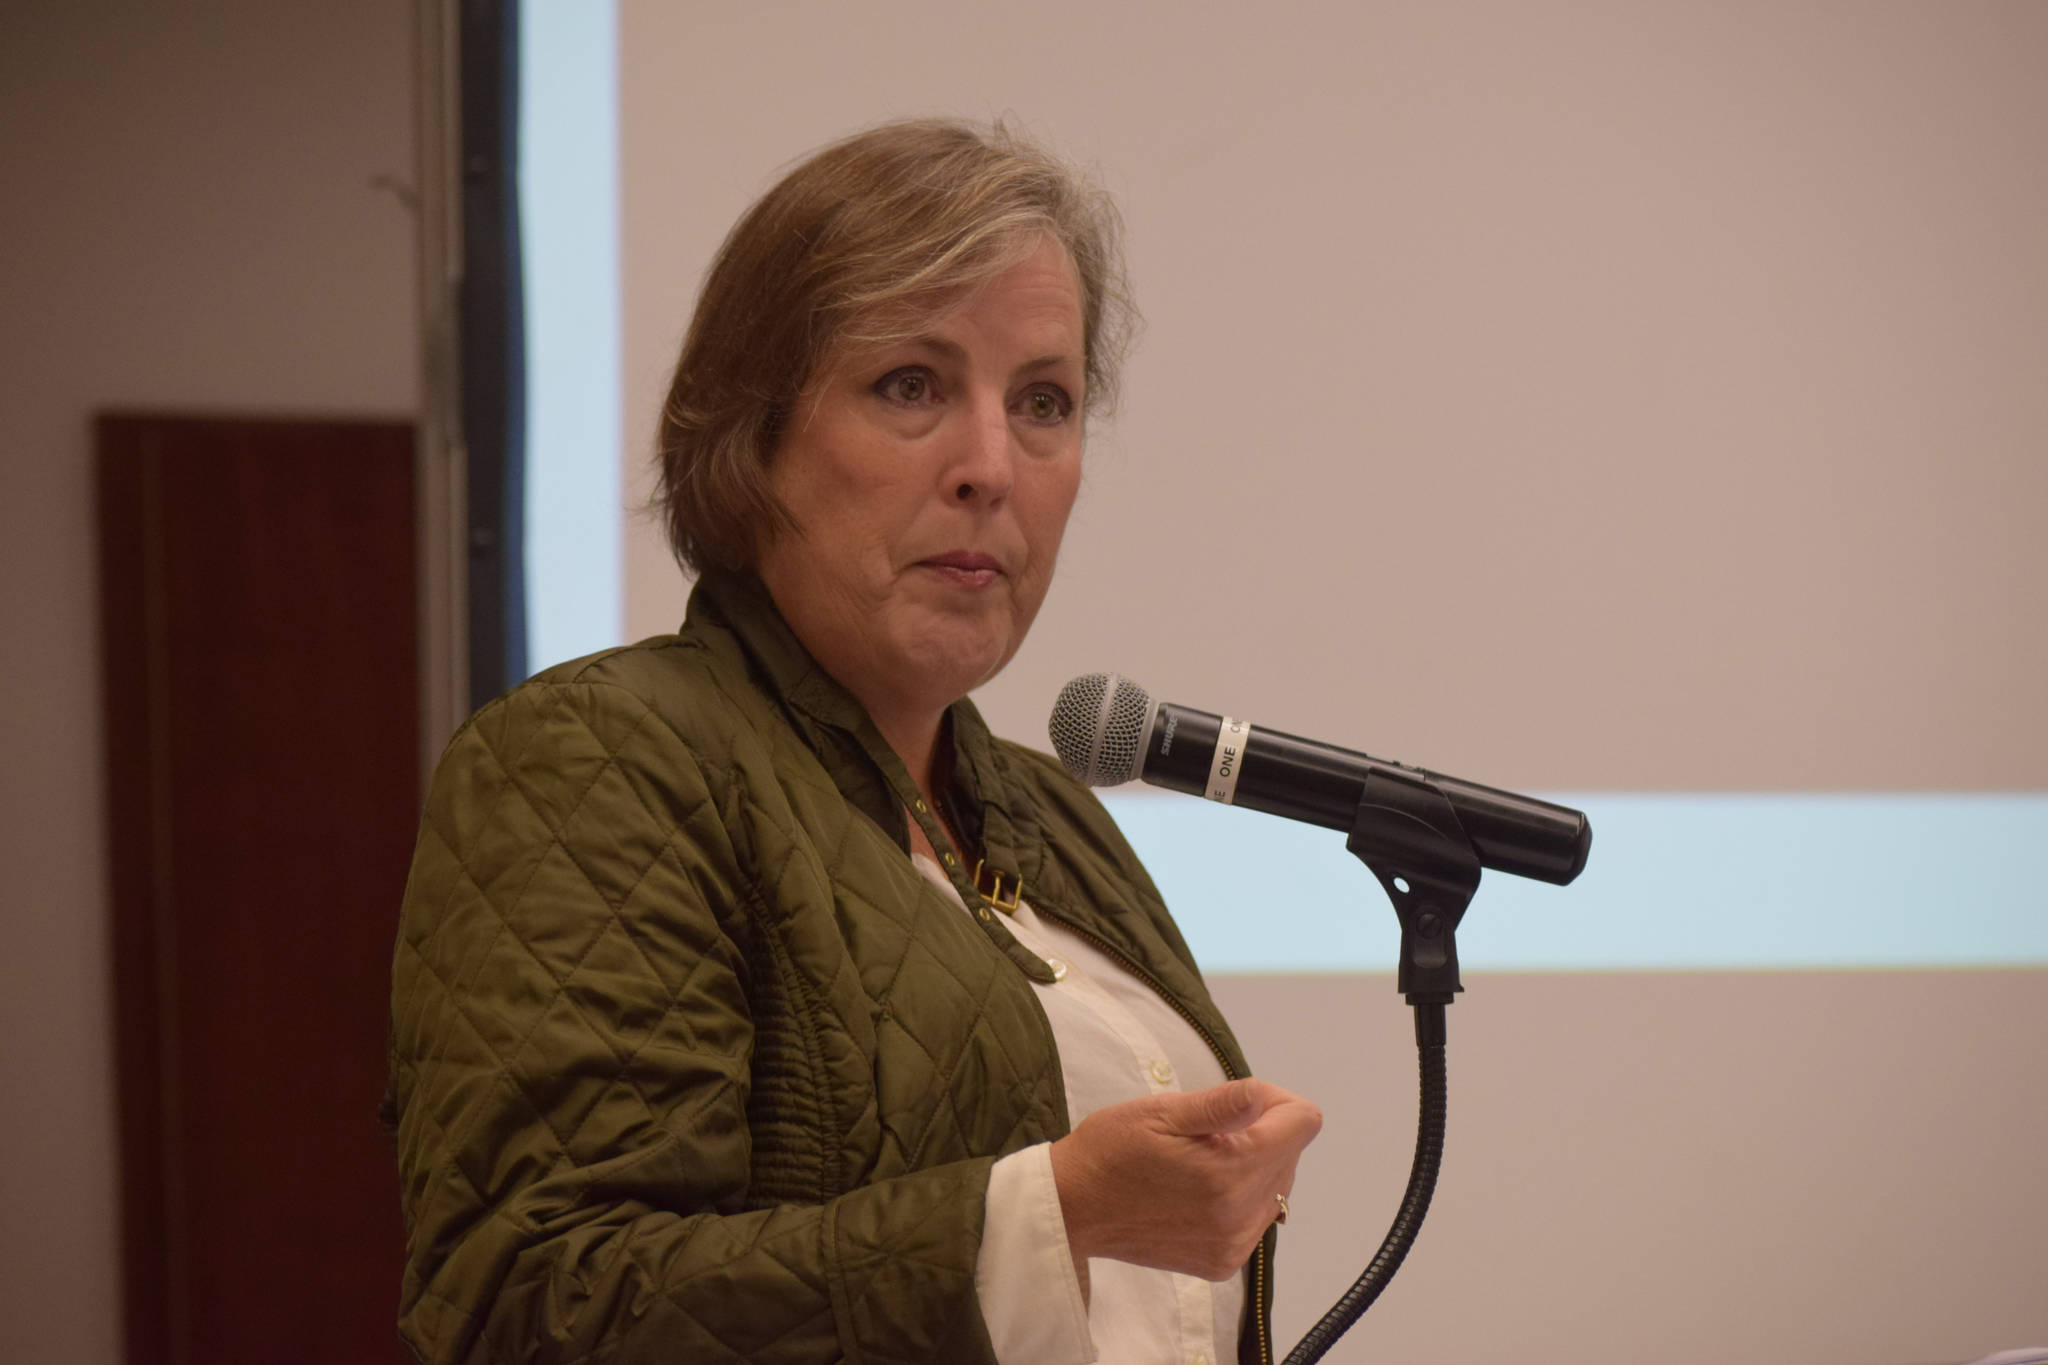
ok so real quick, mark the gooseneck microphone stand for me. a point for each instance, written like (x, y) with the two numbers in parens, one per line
(1408, 836)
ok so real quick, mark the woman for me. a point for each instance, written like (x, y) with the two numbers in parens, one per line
(751, 1001)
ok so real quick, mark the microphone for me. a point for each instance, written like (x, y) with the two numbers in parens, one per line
(1107, 730)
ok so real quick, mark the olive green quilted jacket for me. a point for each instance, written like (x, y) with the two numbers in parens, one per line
(691, 1064)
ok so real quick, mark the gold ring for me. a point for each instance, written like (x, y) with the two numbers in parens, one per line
(1283, 1208)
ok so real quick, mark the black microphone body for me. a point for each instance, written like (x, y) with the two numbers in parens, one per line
(1299, 779)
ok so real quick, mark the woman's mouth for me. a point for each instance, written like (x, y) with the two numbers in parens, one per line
(964, 568)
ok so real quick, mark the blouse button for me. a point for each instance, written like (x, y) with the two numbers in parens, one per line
(1162, 1071)
(1199, 1358)
(1059, 968)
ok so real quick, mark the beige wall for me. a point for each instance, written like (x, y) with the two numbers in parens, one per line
(1693, 1168)
(1577, 397)
(190, 224)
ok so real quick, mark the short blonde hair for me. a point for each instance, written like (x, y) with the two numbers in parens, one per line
(863, 243)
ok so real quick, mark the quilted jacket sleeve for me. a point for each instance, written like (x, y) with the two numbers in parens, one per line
(571, 1046)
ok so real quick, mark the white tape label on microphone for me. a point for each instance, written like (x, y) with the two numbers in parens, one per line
(1229, 757)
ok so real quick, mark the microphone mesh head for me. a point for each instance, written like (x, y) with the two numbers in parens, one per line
(1099, 727)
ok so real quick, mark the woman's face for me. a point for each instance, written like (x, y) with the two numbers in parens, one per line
(930, 481)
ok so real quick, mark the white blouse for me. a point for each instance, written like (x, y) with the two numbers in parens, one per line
(1117, 1040)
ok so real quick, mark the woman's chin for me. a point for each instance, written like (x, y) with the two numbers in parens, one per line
(955, 657)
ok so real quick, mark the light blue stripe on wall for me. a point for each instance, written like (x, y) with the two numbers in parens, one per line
(1674, 881)
(569, 221)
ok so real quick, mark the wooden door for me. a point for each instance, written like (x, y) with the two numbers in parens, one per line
(261, 671)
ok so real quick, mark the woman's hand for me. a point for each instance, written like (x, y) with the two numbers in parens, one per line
(1182, 1182)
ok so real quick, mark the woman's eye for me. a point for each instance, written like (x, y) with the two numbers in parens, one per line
(1047, 405)
(905, 386)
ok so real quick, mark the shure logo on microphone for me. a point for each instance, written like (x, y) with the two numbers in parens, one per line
(1166, 736)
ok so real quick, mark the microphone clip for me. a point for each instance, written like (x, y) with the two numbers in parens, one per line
(1408, 835)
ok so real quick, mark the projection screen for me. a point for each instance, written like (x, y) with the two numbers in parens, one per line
(1641, 406)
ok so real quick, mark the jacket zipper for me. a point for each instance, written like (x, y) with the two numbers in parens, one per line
(1262, 1270)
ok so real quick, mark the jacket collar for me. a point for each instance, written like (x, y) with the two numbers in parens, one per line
(989, 806)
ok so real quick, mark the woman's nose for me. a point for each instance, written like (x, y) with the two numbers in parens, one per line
(983, 467)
